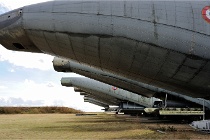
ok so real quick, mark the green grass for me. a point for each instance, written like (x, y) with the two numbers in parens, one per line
(102, 126)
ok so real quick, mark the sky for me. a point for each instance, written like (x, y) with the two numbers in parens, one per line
(28, 79)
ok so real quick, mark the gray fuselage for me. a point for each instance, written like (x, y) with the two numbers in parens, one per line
(160, 43)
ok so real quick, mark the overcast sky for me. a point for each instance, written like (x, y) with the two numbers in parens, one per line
(29, 79)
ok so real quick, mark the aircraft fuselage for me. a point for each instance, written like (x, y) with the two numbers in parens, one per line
(161, 43)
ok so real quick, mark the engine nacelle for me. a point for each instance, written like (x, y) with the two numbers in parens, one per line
(77, 89)
(61, 65)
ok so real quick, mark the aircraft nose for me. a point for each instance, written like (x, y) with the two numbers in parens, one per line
(12, 34)
(9, 18)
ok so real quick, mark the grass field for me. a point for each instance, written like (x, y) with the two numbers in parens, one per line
(102, 126)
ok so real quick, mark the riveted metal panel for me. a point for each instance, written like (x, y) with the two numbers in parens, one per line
(39, 40)
(196, 64)
(67, 22)
(170, 13)
(117, 8)
(52, 42)
(137, 65)
(159, 5)
(74, 7)
(91, 45)
(185, 74)
(43, 7)
(146, 11)
(201, 80)
(172, 63)
(201, 51)
(184, 17)
(199, 23)
(169, 69)
(62, 23)
(63, 39)
(201, 47)
(158, 53)
(131, 9)
(94, 61)
(175, 57)
(60, 43)
(140, 56)
(105, 51)
(128, 48)
(160, 16)
(149, 69)
(91, 7)
(31, 21)
(60, 7)
(207, 67)
(88, 24)
(153, 61)
(160, 12)
(105, 25)
(91, 51)
(115, 53)
(133, 29)
(182, 39)
(105, 7)
(78, 47)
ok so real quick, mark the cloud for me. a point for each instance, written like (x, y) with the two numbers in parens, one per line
(3, 87)
(3, 8)
(48, 93)
(20, 102)
(58, 103)
(50, 85)
(27, 60)
(11, 70)
(17, 102)
(13, 4)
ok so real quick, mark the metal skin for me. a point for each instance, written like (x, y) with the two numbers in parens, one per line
(89, 99)
(111, 100)
(100, 101)
(104, 98)
(101, 97)
(131, 106)
(111, 109)
(77, 90)
(83, 93)
(96, 87)
(160, 43)
(64, 65)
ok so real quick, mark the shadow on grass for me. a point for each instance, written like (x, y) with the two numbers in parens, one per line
(84, 124)
(156, 135)
(143, 136)
(158, 121)
(92, 121)
(84, 128)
